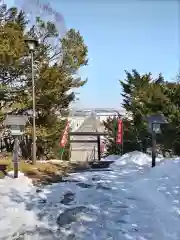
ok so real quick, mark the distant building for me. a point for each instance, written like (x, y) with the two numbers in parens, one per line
(78, 115)
(101, 113)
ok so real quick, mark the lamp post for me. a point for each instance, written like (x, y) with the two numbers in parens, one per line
(155, 122)
(32, 44)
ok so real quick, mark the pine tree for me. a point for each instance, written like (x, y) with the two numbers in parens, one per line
(143, 96)
(56, 63)
(111, 127)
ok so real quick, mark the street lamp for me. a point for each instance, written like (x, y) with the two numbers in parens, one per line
(32, 44)
(154, 125)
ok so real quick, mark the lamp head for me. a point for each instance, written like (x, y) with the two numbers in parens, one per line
(32, 43)
(155, 121)
(156, 127)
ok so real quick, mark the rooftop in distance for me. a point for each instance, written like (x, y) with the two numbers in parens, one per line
(96, 110)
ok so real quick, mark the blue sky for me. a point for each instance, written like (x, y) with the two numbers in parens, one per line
(122, 35)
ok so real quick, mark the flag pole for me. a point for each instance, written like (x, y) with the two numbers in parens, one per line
(122, 144)
(61, 153)
(64, 140)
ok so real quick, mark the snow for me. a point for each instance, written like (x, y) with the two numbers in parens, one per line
(20, 174)
(134, 157)
(131, 200)
(13, 213)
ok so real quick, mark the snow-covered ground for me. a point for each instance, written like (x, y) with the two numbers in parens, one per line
(129, 201)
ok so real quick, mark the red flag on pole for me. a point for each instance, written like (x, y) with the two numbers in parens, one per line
(65, 136)
(120, 132)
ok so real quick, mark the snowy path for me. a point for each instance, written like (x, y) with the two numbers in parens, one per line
(130, 201)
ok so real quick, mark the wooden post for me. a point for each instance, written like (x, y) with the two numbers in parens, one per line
(99, 147)
(153, 149)
(16, 168)
(16, 153)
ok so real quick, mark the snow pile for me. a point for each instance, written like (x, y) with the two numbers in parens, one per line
(20, 174)
(135, 157)
(158, 201)
(111, 158)
(14, 214)
(131, 165)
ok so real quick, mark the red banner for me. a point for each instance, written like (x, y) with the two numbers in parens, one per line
(65, 136)
(120, 132)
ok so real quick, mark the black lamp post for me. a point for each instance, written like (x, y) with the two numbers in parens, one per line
(154, 125)
(32, 44)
